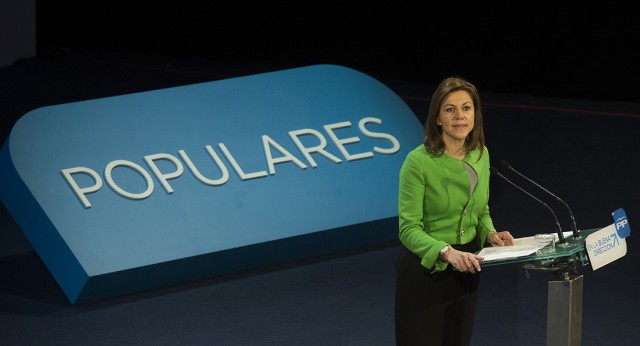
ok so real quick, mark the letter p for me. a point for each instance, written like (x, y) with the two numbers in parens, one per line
(81, 192)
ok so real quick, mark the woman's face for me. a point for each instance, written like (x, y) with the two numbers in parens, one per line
(456, 116)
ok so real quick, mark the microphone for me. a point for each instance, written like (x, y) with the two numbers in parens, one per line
(561, 240)
(574, 228)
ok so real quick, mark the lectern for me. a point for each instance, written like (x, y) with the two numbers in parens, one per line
(564, 302)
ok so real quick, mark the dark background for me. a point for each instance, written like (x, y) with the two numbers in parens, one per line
(577, 50)
(559, 85)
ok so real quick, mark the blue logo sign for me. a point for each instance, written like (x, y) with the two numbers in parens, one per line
(621, 223)
(140, 191)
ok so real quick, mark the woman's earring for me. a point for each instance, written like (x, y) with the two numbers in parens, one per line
(439, 124)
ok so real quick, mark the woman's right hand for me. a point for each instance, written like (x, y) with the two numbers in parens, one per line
(465, 262)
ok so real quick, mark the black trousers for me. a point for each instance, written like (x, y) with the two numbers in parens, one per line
(434, 309)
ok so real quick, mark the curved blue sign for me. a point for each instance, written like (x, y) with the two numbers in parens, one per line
(129, 193)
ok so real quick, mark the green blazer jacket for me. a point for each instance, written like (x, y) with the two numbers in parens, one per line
(436, 206)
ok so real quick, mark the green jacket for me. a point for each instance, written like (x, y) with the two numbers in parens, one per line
(435, 206)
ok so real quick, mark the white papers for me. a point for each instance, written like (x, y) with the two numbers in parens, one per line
(492, 253)
(522, 247)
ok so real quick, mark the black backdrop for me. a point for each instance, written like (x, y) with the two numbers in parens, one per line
(577, 50)
(584, 150)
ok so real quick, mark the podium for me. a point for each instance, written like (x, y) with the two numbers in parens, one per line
(564, 301)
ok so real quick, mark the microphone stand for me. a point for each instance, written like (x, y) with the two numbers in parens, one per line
(574, 227)
(561, 239)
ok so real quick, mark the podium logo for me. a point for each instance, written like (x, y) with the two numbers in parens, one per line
(603, 244)
(621, 223)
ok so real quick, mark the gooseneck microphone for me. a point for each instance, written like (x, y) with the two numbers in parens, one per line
(574, 228)
(561, 240)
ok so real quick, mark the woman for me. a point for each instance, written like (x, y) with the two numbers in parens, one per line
(444, 219)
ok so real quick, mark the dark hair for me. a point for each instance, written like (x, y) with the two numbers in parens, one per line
(433, 133)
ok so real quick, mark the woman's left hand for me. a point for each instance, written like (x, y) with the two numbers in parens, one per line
(500, 238)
